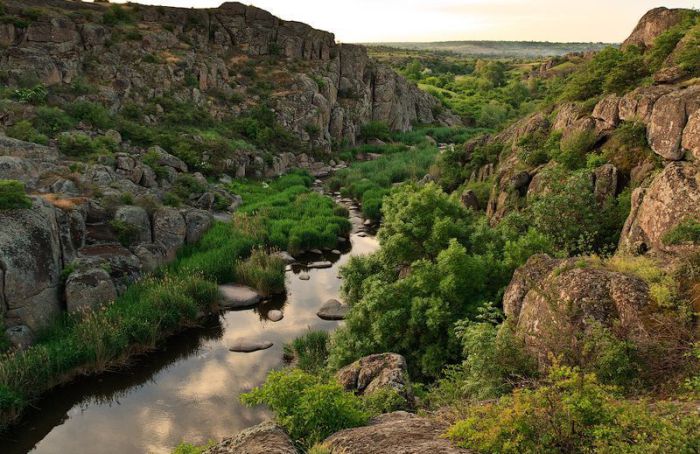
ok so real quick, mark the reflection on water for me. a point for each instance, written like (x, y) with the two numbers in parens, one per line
(187, 391)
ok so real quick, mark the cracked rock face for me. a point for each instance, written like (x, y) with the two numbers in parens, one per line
(265, 438)
(30, 260)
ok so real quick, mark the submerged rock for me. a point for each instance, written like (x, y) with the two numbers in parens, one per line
(235, 296)
(333, 310)
(286, 256)
(304, 276)
(324, 264)
(246, 346)
(265, 438)
(275, 315)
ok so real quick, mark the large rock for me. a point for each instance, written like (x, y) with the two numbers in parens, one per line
(606, 180)
(396, 433)
(651, 25)
(333, 310)
(169, 229)
(668, 121)
(265, 438)
(524, 279)
(673, 196)
(557, 311)
(89, 289)
(235, 296)
(691, 135)
(197, 222)
(376, 372)
(30, 265)
(137, 218)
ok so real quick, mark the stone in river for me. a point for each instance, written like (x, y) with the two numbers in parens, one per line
(275, 315)
(333, 310)
(362, 234)
(235, 296)
(288, 268)
(286, 256)
(304, 277)
(246, 346)
(368, 222)
(335, 251)
(316, 251)
(324, 264)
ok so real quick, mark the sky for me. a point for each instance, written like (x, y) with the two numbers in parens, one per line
(453, 20)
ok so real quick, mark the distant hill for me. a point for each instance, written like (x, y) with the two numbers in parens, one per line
(510, 49)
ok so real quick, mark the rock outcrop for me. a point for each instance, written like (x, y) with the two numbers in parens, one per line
(397, 433)
(340, 90)
(651, 25)
(672, 197)
(376, 372)
(554, 303)
(265, 438)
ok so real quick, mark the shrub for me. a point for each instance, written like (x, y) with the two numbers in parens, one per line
(308, 408)
(628, 147)
(116, 14)
(495, 362)
(79, 144)
(51, 120)
(572, 413)
(35, 95)
(12, 195)
(23, 130)
(186, 185)
(91, 113)
(689, 56)
(375, 130)
(573, 149)
(126, 233)
(262, 271)
(687, 231)
(308, 352)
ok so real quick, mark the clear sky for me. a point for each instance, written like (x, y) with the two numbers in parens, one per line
(449, 20)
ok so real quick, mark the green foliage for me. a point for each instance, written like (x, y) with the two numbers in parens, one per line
(308, 352)
(23, 130)
(52, 120)
(262, 271)
(688, 57)
(117, 14)
(628, 147)
(439, 262)
(35, 95)
(375, 130)
(78, 144)
(495, 362)
(687, 231)
(91, 113)
(126, 233)
(307, 407)
(573, 149)
(185, 185)
(384, 400)
(12, 195)
(187, 448)
(573, 413)
(569, 215)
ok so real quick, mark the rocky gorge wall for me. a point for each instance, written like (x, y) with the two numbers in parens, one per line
(332, 89)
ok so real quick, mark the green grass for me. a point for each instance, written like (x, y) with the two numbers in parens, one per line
(687, 231)
(308, 352)
(370, 181)
(262, 271)
(174, 296)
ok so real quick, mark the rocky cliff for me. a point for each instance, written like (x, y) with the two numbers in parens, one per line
(322, 90)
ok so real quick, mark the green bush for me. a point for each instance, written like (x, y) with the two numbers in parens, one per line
(262, 271)
(126, 233)
(35, 95)
(375, 130)
(308, 408)
(23, 130)
(185, 185)
(574, 148)
(689, 56)
(91, 113)
(687, 231)
(12, 195)
(572, 413)
(308, 352)
(116, 14)
(51, 120)
(628, 147)
(79, 144)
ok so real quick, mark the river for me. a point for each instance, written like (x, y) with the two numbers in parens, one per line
(187, 390)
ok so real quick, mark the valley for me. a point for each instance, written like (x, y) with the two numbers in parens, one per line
(504, 237)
